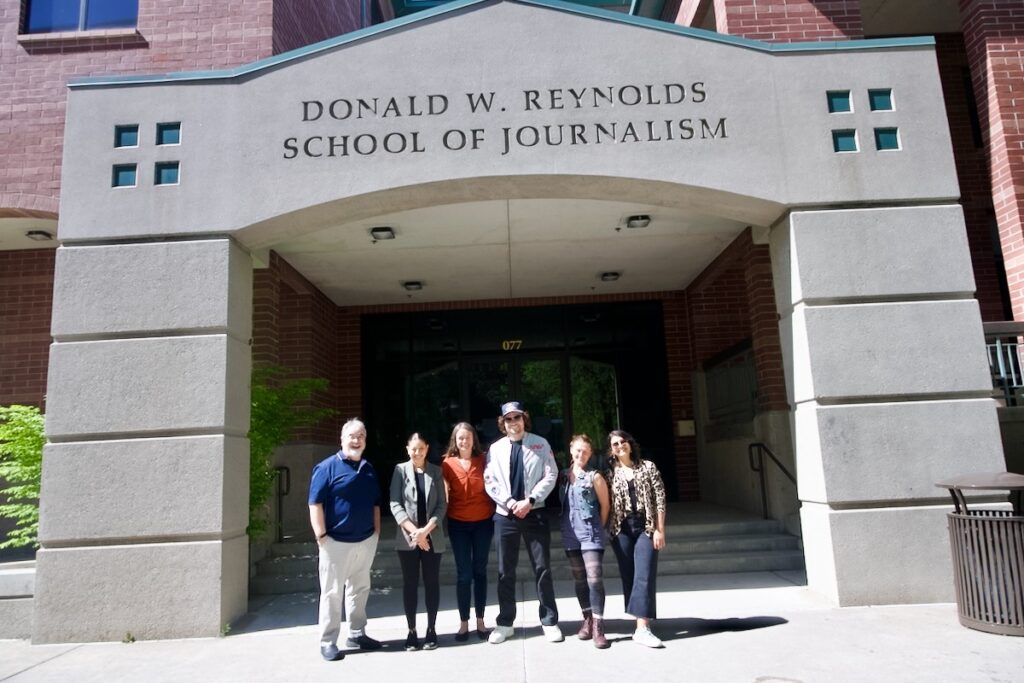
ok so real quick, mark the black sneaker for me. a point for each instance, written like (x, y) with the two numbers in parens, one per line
(364, 642)
(412, 641)
(430, 642)
(331, 653)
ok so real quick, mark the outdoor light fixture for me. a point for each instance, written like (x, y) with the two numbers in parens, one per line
(640, 220)
(610, 276)
(39, 235)
(382, 233)
(412, 285)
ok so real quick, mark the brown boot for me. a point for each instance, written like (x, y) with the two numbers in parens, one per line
(586, 631)
(600, 642)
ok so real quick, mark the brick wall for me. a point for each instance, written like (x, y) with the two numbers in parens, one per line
(972, 172)
(26, 297)
(733, 299)
(181, 36)
(303, 22)
(994, 37)
(788, 21)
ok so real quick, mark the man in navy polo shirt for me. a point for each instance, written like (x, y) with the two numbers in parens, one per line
(344, 509)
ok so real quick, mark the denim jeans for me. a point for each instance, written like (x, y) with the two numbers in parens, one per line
(536, 531)
(471, 548)
(638, 565)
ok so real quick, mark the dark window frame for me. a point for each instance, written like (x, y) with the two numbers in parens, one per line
(83, 23)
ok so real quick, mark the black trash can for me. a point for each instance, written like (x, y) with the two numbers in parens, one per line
(988, 555)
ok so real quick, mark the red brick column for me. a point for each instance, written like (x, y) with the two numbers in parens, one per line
(679, 359)
(764, 326)
(790, 21)
(266, 310)
(26, 300)
(994, 35)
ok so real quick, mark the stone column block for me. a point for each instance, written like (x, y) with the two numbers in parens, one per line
(154, 590)
(923, 348)
(880, 452)
(161, 488)
(148, 386)
(121, 290)
(877, 556)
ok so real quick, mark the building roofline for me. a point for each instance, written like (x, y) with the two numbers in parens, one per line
(458, 6)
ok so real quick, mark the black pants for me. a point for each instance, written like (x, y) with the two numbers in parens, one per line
(537, 534)
(430, 562)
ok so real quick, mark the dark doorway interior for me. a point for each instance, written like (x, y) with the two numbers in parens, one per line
(579, 368)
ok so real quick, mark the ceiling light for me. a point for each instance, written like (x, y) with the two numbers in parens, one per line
(39, 235)
(610, 276)
(412, 285)
(382, 233)
(640, 220)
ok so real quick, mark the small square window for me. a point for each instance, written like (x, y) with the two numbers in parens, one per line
(880, 100)
(166, 173)
(168, 133)
(887, 139)
(839, 101)
(123, 176)
(844, 140)
(126, 136)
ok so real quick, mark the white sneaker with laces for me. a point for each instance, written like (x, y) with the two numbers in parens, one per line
(553, 634)
(643, 636)
(500, 634)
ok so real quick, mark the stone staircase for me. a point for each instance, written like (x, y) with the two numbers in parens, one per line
(702, 539)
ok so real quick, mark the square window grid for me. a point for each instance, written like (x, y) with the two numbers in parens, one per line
(168, 133)
(839, 101)
(166, 173)
(124, 175)
(126, 136)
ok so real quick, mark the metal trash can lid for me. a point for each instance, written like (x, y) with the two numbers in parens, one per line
(1006, 481)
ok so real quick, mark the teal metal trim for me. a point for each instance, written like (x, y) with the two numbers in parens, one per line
(458, 6)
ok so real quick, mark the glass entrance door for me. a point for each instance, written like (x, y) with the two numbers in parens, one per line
(537, 381)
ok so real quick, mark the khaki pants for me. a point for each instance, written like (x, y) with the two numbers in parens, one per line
(344, 571)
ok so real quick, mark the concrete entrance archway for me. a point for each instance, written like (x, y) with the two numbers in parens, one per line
(142, 525)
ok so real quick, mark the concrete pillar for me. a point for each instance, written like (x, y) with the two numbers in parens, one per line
(145, 475)
(994, 35)
(789, 21)
(887, 374)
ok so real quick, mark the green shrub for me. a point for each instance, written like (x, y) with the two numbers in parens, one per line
(21, 467)
(279, 407)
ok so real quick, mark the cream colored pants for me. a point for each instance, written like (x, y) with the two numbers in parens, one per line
(344, 572)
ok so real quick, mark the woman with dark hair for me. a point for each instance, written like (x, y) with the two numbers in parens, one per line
(470, 527)
(584, 496)
(637, 530)
(418, 503)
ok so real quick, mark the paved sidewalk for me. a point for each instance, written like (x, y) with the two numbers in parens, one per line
(735, 627)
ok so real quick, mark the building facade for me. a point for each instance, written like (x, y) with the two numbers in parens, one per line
(714, 223)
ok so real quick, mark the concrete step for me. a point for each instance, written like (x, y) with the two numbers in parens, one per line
(386, 573)
(17, 585)
(721, 542)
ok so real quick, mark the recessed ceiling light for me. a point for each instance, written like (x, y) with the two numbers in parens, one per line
(610, 276)
(412, 285)
(382, 232)
(39, 235)
(640, 220)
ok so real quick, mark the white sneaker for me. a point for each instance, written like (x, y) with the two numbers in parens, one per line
(500, 634)
(644, 636)
(553, 634)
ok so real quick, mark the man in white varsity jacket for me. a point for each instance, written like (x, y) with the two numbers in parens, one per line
(519, 475)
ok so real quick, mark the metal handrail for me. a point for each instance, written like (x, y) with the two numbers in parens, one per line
(755, 454)
(284, 486)
(1003, 348)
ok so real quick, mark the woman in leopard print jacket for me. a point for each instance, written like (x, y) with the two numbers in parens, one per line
(637, 529)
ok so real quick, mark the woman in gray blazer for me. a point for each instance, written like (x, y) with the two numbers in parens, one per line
(418, 503)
